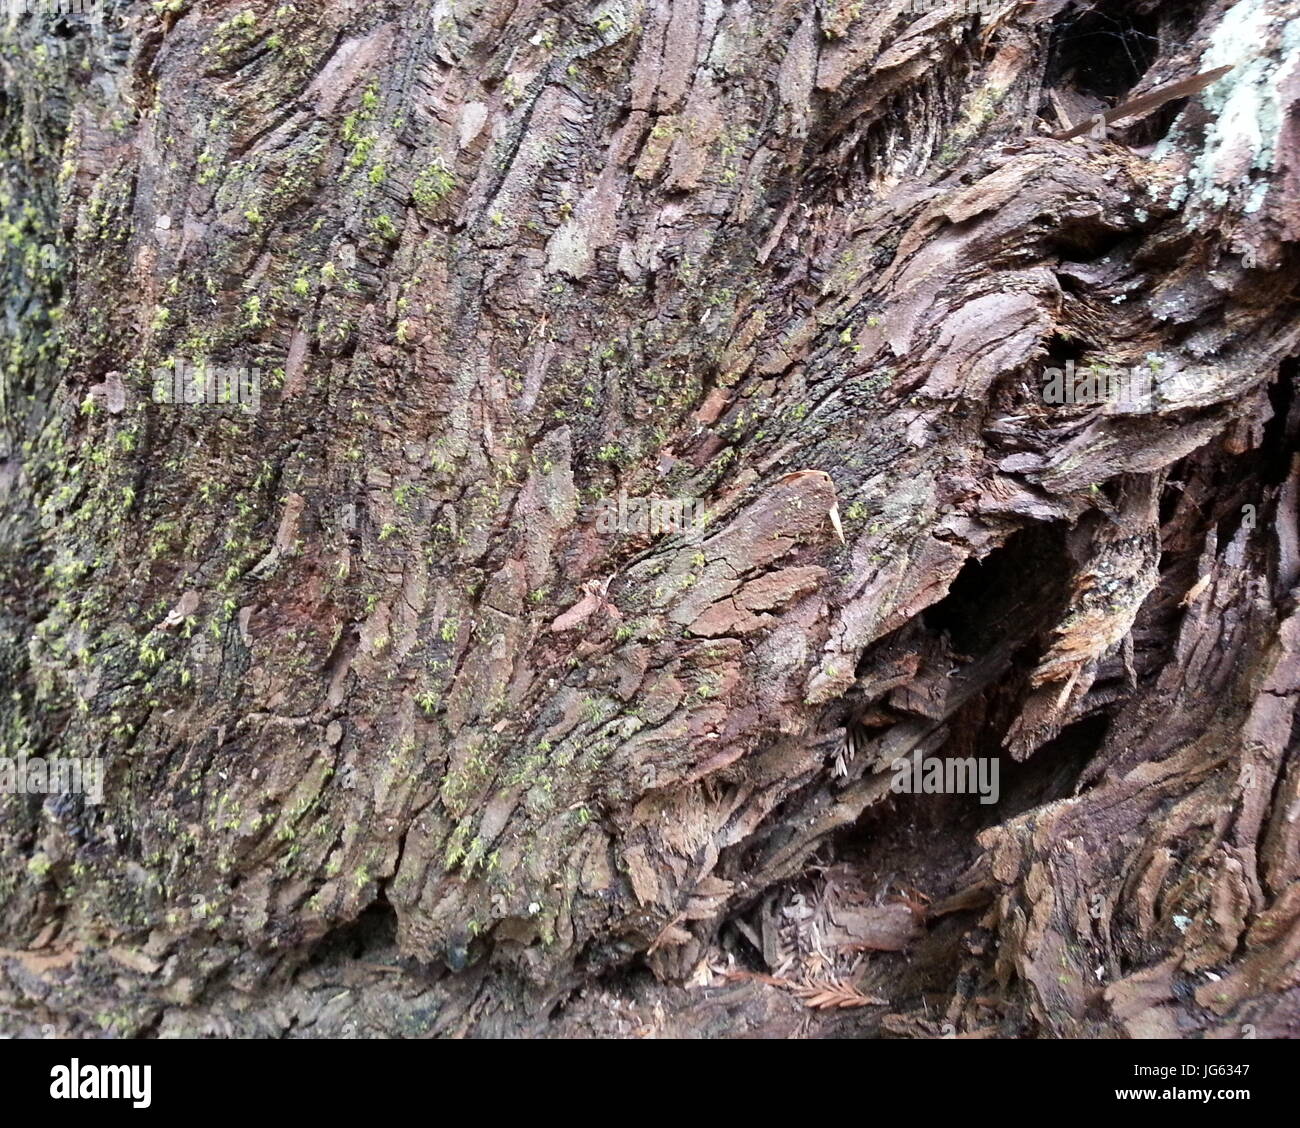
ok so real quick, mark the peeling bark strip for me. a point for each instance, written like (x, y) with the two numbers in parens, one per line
(367, 674)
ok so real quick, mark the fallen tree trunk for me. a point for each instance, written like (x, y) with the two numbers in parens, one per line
(400, 683)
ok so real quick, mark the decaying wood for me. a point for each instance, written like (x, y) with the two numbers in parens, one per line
(399, 741)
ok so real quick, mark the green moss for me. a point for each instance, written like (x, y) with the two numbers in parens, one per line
(431, 187)
(384, 228)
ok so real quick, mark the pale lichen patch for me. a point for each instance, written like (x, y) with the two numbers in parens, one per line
(1245, 108)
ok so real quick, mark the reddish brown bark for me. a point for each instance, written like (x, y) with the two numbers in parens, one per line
(383, 708)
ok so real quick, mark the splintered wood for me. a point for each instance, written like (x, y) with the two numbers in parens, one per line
(815, 937)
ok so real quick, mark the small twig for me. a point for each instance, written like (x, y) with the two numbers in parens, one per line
(1147, 103)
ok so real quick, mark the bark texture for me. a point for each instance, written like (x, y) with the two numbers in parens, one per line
(399, 740)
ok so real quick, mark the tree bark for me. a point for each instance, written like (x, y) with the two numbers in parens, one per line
(401, 737)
